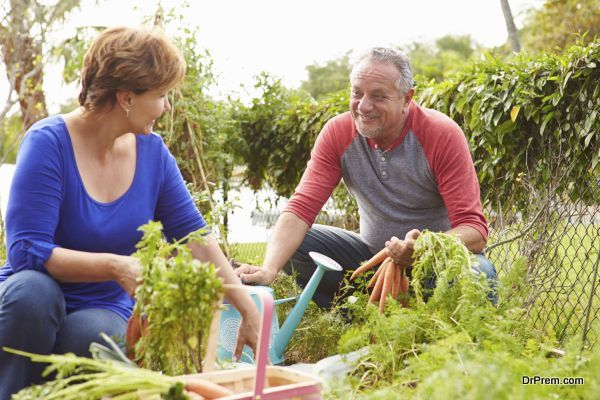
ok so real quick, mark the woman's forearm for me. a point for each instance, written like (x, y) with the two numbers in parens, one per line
(66, 265)
(210, 252)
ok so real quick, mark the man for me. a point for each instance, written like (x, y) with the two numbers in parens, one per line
(408, 167)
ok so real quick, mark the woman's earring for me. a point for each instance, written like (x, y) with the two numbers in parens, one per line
(127, 112)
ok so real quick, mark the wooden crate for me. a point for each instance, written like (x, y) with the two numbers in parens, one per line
(280, 383)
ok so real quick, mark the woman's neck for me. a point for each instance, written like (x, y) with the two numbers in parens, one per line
(98, 131)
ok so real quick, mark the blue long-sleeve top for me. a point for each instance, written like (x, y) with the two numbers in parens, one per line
(49, 207)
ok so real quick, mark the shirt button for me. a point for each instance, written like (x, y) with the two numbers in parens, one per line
(382, 158)
(384, 173)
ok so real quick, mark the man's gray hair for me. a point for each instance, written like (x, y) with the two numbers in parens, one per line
(394, 57)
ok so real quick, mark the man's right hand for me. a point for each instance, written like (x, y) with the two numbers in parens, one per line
(252, 275)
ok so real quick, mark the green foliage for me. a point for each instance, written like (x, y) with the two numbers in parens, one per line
(85, 378)
(528, 118)
(249, 253)
(202, 134)
(317, 325)
(278, 130)
(11, 131)
(179, 296)
(24, 48)
(182, 128)
(457, 344)
(437, 62)
(561, 23)
(445, 257)
(343, 200)
(328, 78)
(72, 51)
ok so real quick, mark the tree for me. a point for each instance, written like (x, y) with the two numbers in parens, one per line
(23, 29)
(329, 78)
(559, 23)
(513, 35)
(449, 54)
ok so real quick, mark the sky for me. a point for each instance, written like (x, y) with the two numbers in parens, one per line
(283, 37)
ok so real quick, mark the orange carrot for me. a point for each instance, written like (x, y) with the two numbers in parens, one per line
(381, 268)
(133, 334)
(205, 388)
(387, 285)
(396, 285)
(404, 284)
(375, 260)
(376, 293)
(404, 290)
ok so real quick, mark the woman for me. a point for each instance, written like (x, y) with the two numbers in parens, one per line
(83, 185)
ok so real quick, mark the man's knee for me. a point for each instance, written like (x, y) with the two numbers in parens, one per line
(485, 266)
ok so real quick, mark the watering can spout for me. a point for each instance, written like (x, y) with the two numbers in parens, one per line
(282, 339)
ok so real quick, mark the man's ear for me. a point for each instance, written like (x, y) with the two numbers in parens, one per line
(409, 95)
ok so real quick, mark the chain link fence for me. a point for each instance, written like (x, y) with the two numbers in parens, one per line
(561, 243)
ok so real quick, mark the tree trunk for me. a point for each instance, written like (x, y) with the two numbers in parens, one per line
(23, 28)
(22, 55)
(29, 80)
(513, 34)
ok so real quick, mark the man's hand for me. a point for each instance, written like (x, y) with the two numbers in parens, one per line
(250, 274)
(401, 251)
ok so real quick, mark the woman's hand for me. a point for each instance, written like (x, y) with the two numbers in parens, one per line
(237, 295)
(248, 333)
(127, 271)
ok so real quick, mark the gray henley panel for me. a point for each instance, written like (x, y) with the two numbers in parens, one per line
(395, 190)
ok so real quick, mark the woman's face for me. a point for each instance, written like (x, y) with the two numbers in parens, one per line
(146, 108)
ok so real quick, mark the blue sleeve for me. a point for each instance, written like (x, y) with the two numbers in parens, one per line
(175, 207)
(34, 202)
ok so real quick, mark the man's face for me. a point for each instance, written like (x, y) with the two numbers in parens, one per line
(377, 106)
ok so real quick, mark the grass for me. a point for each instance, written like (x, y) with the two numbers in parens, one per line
(249, 253)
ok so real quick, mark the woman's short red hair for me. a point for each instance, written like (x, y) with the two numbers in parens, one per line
(125, 58)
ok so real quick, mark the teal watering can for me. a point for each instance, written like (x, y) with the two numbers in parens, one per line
(280, 337)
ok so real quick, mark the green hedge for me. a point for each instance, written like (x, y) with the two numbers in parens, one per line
(525, 119)
(533, 117)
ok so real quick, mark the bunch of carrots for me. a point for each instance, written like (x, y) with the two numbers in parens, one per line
(390, 278)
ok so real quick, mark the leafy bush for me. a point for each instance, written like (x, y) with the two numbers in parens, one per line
(529, 117)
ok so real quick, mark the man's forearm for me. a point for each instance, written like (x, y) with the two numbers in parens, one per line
(287, 236)
(470, 236)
